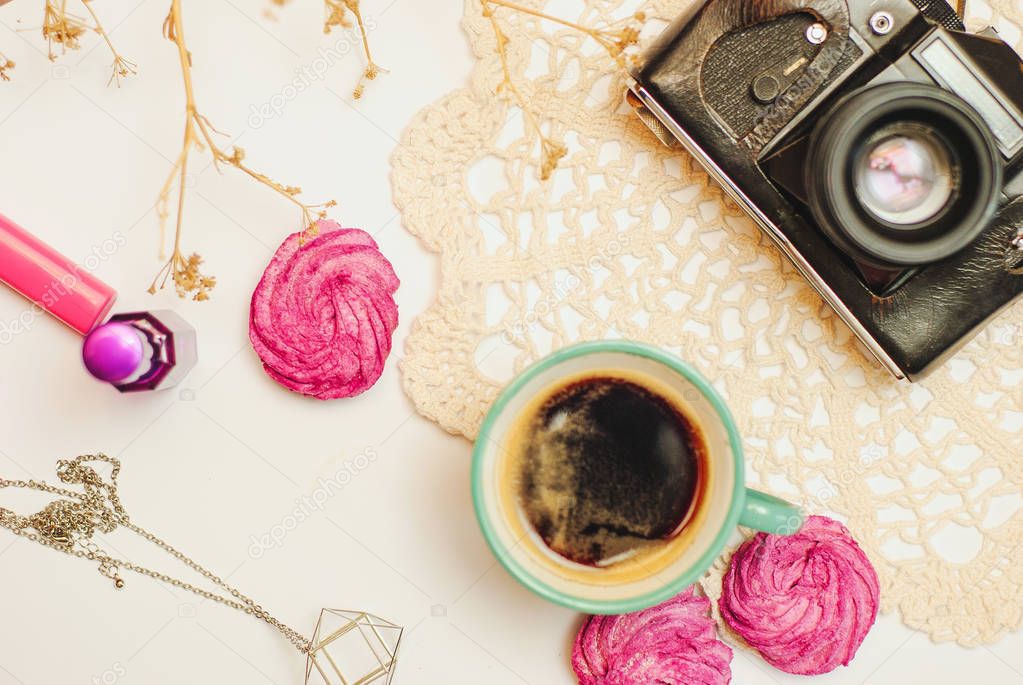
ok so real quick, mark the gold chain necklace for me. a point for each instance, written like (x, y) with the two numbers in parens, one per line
(69, 523)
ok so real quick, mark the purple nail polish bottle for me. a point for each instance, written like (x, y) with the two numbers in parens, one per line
(141, 351)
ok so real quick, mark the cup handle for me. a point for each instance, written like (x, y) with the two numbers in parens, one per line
(770, 514)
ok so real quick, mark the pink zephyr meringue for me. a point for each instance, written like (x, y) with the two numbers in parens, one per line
(323, 314)
(670, 644)
(804, 601)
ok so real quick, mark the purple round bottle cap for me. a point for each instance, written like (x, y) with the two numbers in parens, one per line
(112, 352)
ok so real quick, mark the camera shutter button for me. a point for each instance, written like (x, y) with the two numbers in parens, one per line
(817, 33)
(766, 88)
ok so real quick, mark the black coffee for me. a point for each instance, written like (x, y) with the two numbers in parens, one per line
(608, 467)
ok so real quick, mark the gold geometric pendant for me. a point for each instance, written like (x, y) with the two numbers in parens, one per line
(352, 648)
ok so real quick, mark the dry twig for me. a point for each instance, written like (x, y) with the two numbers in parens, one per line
(61, 27)
(66, 29)
(5, 65)
(122, 67)
(616, 40)
(185, 273)
(336, 14)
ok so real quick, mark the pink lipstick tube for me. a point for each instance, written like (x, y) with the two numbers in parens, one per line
(51, 280)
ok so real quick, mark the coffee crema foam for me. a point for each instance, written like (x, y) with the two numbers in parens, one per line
(603, 474)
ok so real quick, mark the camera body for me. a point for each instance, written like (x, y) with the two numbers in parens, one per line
(876, 141)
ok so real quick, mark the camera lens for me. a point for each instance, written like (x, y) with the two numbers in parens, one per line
(905, 179)
(902, 174)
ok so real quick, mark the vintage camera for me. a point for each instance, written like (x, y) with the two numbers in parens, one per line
(877, 142)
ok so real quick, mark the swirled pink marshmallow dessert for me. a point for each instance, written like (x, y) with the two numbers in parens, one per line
(323, 314)
(805, 602)
(673, 643)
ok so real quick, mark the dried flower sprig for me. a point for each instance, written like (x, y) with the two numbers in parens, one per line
(61, 27)
(615, 39)
(66, 29)
(551, 151)
(339, 13)
(199, 132)
(121, 67)
(5, 65)
(335, 16)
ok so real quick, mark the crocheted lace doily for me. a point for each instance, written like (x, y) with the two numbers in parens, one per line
(629, 239)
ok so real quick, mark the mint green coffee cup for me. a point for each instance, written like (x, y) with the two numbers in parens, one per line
(725, 504)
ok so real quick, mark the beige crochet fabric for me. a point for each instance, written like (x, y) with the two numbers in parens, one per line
(630, 240)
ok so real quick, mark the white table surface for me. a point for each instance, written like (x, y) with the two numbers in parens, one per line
(220, 462)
